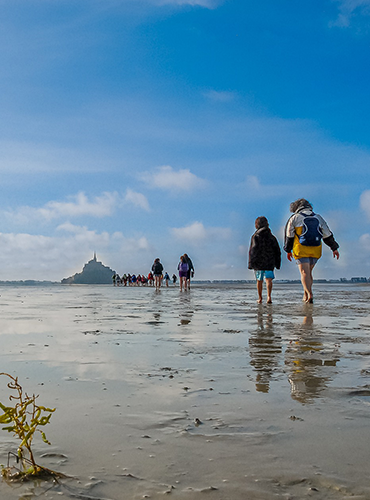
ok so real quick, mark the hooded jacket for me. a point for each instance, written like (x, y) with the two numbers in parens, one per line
(294, 229)
(264, 251)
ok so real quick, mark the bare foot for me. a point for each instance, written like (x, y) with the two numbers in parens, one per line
(259, 301)
(269, 301)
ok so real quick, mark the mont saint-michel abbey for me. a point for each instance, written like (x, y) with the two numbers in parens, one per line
(93, 273)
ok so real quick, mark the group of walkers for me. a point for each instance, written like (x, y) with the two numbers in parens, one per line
(304, 233)
(185, 268)
(303, 236)
(157, 275)
(139, 280)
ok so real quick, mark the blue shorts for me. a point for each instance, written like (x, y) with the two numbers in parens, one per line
(264, 274)
(307, 260)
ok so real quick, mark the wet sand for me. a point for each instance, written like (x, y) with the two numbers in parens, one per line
(193, 395)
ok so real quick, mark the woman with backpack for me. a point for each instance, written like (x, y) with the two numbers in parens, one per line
(183, 269)
(303, 234)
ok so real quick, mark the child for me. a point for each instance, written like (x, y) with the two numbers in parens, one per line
(264, 256)
(166, 278)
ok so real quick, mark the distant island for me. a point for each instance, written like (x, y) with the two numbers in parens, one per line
(93, 273)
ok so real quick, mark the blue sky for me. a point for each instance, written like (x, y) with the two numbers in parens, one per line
(149, 128)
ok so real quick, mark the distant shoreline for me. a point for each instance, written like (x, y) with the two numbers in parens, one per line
(352, 281)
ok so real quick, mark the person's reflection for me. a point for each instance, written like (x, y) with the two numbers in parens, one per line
(265, 349)
(157, 316)
(187, 311)
(307, 359)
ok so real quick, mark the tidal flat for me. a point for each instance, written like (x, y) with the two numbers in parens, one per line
(196, 395)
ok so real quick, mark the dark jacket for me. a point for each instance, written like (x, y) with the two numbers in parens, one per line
(157, 268)
(264, 251)
(189, 262)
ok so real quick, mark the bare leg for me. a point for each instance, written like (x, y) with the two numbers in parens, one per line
(259, 291)
(269, 290)
(307, 280)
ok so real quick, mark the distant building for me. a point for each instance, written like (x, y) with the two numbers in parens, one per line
(93, 273)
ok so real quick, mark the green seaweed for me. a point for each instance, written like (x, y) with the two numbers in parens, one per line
(24, 420)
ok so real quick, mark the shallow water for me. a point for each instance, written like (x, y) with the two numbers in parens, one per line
(193, 395)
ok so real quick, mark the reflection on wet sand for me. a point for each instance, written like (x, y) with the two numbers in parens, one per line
(187, 310)
(188, 395)
(307, 357)
(265, 349)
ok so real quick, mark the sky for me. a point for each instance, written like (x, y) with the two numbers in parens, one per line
(139, 129)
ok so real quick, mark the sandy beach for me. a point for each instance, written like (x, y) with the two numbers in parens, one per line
(194, 395)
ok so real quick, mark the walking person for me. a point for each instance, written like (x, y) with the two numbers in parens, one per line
(157, 270)
(264, 257)
(191, 269)
(302, 240)
(183, 269)
(166, 278)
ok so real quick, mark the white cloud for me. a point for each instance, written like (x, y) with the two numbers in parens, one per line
(167, 178)
(209, 4)
(348, 9)
(25, 157)
(28, 256)
(126, 245)
(70, 228)
(77, 205)
(130, 246)
(365, 202)
(243, 250)
(137, 199)
(253, 183)
(365, 241)
(82, 233)
(253, 188)
(220, 96)
(222, 266)
(197, 233)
